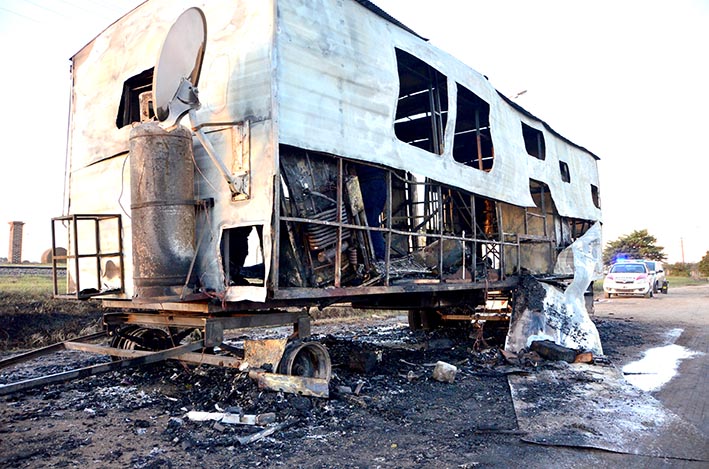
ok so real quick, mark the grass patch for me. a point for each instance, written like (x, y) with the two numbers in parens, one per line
(686, 281)
(33, 285)
(30, 317)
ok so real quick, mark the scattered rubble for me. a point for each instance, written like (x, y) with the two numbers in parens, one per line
(315, 387)
(141, 417)
(187, 412)
(231, 418)
(444, 372)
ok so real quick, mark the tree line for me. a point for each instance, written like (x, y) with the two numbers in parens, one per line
(642, 245)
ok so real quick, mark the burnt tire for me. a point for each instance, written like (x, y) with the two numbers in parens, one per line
(430, 319)
(134, 337)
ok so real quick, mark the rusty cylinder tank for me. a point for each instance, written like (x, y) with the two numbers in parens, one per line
(163, 209)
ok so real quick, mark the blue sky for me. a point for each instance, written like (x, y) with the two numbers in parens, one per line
(628, 80)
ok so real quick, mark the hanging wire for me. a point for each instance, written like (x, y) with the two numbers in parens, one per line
(120, 196)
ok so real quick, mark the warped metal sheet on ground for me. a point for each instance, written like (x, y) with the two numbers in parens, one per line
(594, 407)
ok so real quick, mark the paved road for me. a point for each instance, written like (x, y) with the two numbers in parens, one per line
(686, 308)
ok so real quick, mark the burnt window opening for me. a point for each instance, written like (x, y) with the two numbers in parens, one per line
(422, 108)
(564, 169)
(579, 227)
(129, 109)
(596, 196)
(242, 256)
(534, 141)
(473, 141)
(537, 221)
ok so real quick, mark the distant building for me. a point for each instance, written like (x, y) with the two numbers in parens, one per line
(15, 251)
(47, 256)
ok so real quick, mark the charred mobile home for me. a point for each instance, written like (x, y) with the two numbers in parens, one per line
(331, 154)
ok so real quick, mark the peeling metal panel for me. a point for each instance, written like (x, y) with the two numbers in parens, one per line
(572, 199)
(561, 316)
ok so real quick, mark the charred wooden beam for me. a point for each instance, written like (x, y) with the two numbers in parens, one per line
(552, 351)
(98, 369)
(22, 357)
(189, 357)
(315, 387)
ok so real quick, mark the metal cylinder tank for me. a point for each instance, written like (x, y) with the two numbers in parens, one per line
(163, 209)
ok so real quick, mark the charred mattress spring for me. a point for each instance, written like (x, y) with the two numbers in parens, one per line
(322, 236)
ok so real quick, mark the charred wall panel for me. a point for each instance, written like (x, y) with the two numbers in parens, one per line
(339, 87)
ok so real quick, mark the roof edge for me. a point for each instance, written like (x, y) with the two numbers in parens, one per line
(383, 14)
(546, 126)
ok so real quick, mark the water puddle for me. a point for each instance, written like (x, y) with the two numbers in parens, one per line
(658, 365)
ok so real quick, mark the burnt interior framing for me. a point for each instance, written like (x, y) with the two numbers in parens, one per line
(436, 236)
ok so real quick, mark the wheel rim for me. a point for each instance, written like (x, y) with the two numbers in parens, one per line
(309, 360)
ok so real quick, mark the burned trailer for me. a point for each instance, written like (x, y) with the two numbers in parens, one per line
(331, 155)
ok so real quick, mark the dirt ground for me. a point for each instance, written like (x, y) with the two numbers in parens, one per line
(685, 308)
(401, 417)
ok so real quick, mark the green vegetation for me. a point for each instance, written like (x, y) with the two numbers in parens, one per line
(680, 269)
(703, 265)
(685, 281)
(38, 286)
(637, 245)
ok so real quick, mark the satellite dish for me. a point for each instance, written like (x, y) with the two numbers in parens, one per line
(178, 67)
(175, 85)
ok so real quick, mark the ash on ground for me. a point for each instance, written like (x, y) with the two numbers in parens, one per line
(385, 409)
(382, 379)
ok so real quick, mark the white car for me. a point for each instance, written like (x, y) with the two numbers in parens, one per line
(657, 272)
(628, 278)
